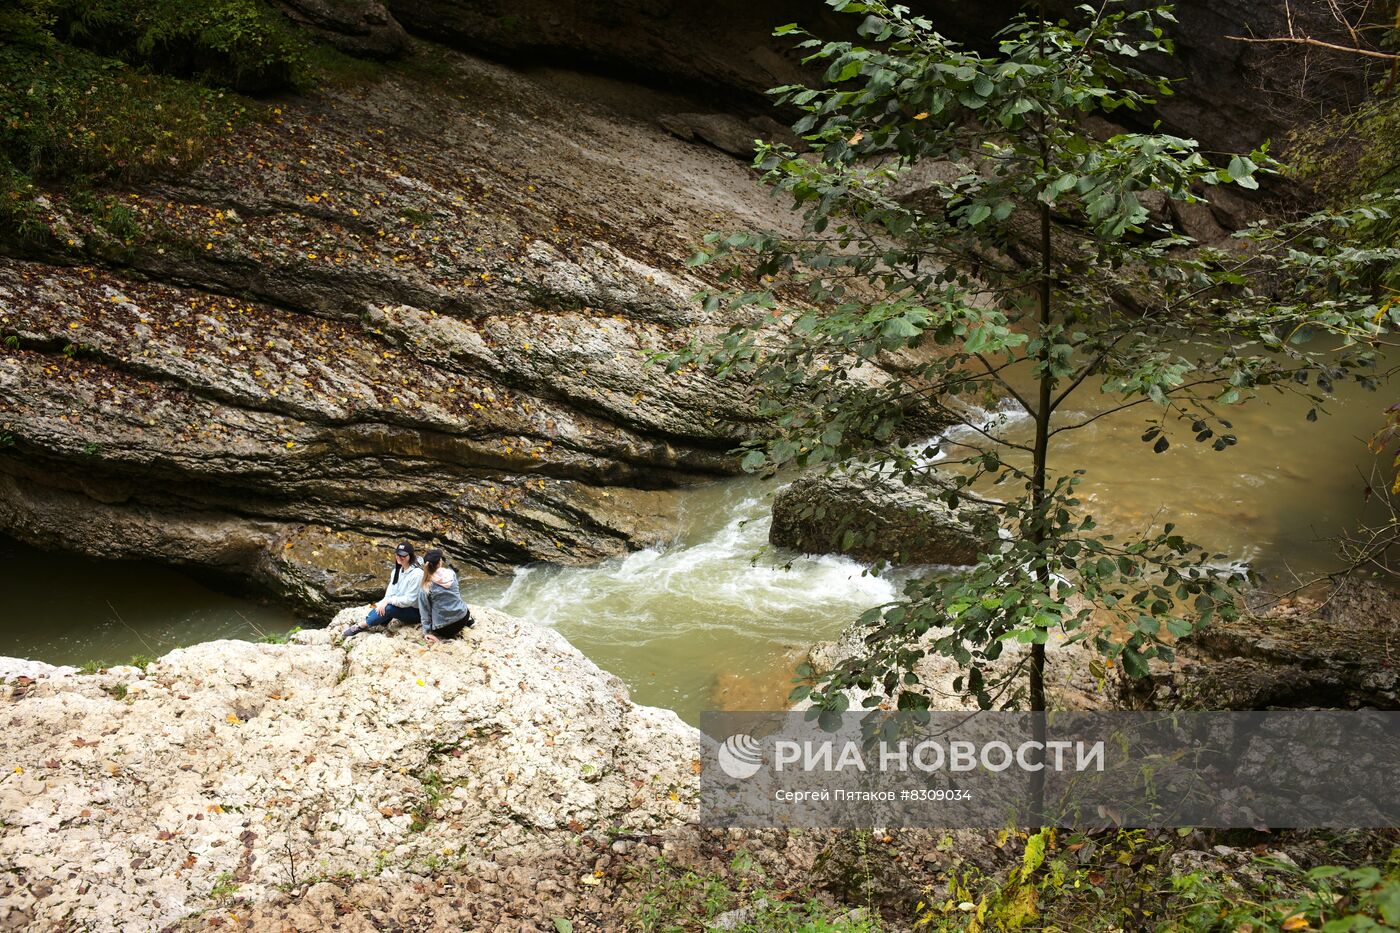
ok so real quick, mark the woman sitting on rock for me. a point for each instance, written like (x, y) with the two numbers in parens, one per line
(440, 605)
(400, 596)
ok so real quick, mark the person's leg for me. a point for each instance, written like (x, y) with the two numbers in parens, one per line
(374, 618)
(451, 630)
(370, 620)
(408, 615)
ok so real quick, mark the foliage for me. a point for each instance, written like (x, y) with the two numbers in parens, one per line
(1329, 898)
(241, 44)
(1355, 151)
(279, 638)
(1136, 880)
(1116, 877)
(956, 213)
(101, 91)
(675, 900)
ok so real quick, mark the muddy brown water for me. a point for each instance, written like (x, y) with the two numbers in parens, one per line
(716, 619)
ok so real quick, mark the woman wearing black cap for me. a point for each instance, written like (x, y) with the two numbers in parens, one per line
(440, 605)
(400, 596)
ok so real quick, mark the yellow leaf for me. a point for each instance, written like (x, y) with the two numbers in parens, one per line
(1297, 922)
(921, 116)
(232, 719)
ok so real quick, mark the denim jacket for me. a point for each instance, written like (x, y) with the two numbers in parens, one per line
(439, 605)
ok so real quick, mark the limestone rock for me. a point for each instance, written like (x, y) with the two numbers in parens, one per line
(411, 309)
(889, 521)
(227, 769)
(723, 131)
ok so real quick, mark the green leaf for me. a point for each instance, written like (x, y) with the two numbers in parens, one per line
(1134, 663)
(563, 926)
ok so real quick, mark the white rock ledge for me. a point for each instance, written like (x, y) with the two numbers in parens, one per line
(131, 799)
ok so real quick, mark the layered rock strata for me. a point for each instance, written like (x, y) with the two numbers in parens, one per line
(419, 308)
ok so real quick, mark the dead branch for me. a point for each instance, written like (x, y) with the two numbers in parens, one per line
(1318, 43)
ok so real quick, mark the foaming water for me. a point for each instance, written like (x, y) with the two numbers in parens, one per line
(717, 619)
(709, 621)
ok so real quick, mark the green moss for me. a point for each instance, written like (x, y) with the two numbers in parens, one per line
(96, 92)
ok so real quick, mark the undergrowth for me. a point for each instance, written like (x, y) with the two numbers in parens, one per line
(96, 92)
(675, 900)
(1166, 881)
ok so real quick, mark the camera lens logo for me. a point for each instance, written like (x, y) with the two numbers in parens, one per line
(739, 756)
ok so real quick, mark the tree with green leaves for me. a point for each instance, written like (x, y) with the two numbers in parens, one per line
(974, 212)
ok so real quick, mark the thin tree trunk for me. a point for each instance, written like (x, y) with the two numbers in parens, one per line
(1039, 511)
(1041, 449)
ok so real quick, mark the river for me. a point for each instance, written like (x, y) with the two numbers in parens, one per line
(716, 620)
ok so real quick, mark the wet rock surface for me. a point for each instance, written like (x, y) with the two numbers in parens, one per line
(226, 772)
(418, 307)
(884, 521)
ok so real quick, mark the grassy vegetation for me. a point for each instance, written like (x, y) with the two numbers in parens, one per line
(279, 638)
(1132, 880)
(435, 791)
(1138, 880)
(102, 91)
(676, 900)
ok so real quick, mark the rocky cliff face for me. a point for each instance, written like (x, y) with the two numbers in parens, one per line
(418, 305)
(414, 308)
(1232, 95)
(227, 771)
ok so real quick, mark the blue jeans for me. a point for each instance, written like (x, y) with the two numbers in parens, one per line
(408, 614)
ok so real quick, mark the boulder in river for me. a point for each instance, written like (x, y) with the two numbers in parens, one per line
(226, 770)
(869, 516)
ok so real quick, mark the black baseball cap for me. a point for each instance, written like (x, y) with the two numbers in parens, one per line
(404, 550)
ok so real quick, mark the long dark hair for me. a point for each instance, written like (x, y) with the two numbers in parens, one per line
(432, 560)
(412, 559)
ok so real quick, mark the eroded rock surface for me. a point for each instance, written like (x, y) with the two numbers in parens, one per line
(359, 27)
(415, 308)
(1339, 651)
(885, 521)
(133, 798)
